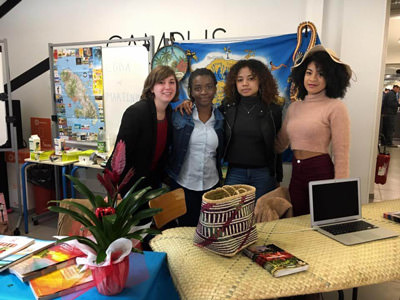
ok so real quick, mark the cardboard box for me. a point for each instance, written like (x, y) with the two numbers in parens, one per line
(67, 225)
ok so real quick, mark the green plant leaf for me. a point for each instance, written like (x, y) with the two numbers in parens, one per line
(82, 240)
(86, 211)
(137, 235)
(75, 215)
(83, 189)
(146, 213)
(148, 231)
(100, 201)
(155, 193)
(136, 250)
(133, 187)
(109, 230)
(128, 205)
(101, 256)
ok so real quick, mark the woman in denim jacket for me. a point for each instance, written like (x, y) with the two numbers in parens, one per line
(197, 146)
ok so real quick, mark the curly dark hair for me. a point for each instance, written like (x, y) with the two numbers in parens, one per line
(336, 76)
(268, 89)
(200, 72)
(156, 75)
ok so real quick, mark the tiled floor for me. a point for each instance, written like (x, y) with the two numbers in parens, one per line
(391, 190)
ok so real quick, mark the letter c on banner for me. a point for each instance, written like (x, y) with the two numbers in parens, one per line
(218, 29)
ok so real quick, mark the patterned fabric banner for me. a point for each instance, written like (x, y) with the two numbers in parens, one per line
(276, 52)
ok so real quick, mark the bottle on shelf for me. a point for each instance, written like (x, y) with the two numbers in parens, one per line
(101, 140)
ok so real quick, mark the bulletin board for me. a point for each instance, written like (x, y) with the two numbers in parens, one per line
(3, 124)
(94, 82)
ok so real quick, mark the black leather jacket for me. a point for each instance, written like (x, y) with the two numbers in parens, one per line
(271, 121)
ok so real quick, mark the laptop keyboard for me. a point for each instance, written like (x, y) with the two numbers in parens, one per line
(347, 227)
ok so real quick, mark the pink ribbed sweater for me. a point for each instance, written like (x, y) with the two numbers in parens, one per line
(314, 123)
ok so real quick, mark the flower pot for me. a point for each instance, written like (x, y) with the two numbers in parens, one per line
(111, 279)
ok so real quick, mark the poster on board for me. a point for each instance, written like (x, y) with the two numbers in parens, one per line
(125, 70)
(78, 86)
(3, 124)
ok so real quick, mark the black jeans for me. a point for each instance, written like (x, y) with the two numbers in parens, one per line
(388, 124)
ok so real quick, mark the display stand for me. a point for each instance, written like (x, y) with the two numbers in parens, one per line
(11, 120)
(122, 69)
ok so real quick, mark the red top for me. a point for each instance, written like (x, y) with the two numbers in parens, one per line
(162, 129)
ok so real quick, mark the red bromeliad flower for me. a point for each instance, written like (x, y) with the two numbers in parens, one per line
(104, 211)
(110, 179)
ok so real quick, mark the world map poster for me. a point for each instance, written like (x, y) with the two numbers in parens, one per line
(78, 86)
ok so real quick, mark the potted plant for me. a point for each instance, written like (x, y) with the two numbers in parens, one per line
(111, 223)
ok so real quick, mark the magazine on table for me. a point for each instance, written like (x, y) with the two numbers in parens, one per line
(61, 282)
(24, 253)
(275, 260)
(46, 261)
(11, 244)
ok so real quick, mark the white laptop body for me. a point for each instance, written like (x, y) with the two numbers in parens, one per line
(337, 201)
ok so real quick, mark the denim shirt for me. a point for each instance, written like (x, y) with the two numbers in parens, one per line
(182, 128)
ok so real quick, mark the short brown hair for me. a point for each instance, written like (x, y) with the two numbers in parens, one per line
(156, 75)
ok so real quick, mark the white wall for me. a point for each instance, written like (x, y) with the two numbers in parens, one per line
(342, 25)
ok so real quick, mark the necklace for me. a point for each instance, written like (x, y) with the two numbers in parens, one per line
(248, 110)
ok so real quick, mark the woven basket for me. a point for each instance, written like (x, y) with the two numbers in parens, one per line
(227, 223)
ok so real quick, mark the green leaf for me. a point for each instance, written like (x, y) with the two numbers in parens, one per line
(155, 193)
(148, 231)
(101, 256)
(128, 205)
(133, 187)
(75, 215)
(100, 201)
(82, 240)
(146, 213)
(134, 235)
(109, 230)
(136, 250)
(137, 235)
(83, 189)
(86, 211)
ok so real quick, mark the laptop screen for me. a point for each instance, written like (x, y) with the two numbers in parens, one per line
(334, 200)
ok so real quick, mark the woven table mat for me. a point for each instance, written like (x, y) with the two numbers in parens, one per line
(200, 274)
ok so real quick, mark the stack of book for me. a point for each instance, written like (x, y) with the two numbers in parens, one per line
(394, 216)
(49, 268)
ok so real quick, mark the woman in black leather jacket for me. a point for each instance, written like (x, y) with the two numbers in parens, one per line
(252, 120)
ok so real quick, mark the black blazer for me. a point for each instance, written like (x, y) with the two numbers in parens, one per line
(139, 131)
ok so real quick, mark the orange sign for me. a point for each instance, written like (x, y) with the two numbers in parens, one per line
(42, 127)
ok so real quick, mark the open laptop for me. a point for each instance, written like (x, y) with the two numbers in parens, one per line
(335, 209)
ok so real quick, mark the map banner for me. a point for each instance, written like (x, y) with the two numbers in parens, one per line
(78, 85)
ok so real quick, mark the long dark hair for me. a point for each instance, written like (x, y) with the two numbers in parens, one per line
(268, 89)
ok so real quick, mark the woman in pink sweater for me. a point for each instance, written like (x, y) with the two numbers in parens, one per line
(318, 120)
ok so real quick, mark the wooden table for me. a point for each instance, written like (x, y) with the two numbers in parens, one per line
(200, 274)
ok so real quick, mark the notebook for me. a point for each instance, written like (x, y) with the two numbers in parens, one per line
(335, 208)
